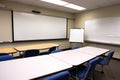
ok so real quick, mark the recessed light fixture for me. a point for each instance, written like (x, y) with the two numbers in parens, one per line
(73, 6)
(57, 2)
(65, 4)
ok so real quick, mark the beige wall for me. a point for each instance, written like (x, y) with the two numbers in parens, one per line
(111, 11)
(5, 25)
(78, 23)
(28, 8)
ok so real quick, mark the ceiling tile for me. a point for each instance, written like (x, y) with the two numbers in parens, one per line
(89, 4)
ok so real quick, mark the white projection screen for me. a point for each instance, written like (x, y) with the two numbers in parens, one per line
(29, 26)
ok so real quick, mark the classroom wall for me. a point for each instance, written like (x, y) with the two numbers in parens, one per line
(111, 11)
(76, 21)
(5, 25)
(28, 8)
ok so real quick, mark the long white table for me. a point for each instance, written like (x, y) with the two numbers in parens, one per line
(81, 55)
(72, 57)
(29, 68)
(92, 50)
(33, 67)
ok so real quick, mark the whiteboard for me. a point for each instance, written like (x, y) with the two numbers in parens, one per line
(105, 30)
(28, 26)
(76, 35)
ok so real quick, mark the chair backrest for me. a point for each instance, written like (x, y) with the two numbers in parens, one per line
(91, 67)
(30, 53)
(55, 51)
(3, 54)
(75, 47)
(59, 76)
(52, 49)
(108, 58)
(6, 57)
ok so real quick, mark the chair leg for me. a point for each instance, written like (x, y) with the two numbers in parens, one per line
(102, 69)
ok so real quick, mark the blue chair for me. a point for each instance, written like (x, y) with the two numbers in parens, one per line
(85, 72)
(3, 54)
(30, 53)
(52, 49)
(55, 51)
(59, 76)
(106, 60)
(75, 47)
(6, 57)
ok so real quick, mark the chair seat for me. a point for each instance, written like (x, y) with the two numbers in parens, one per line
(102, 62)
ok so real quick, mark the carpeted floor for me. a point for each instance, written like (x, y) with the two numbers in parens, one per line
(111, 71)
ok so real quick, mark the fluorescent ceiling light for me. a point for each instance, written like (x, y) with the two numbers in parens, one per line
(65, 4)
(73, 6)
(57, 2)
